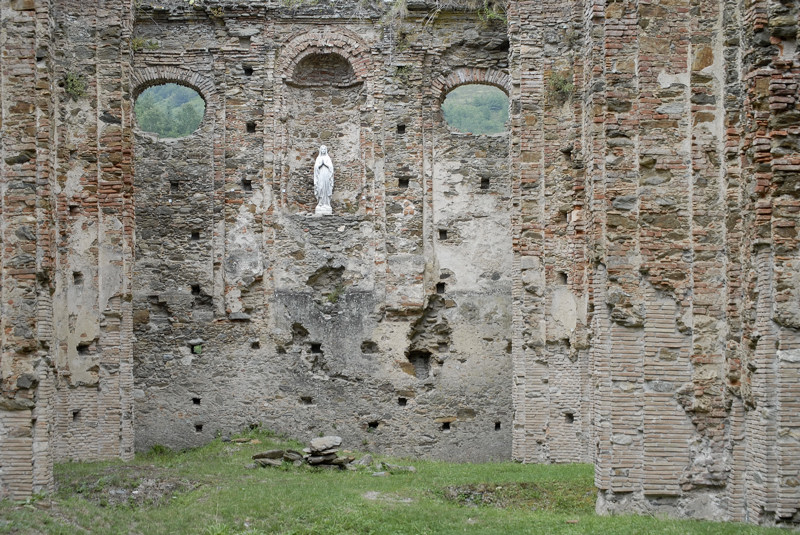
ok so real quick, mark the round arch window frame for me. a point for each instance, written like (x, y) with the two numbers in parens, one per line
(443, 85)
(144, 79)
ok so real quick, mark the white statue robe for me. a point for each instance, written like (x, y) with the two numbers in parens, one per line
(323, 179)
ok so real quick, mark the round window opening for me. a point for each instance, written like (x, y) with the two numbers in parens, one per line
(476, 109)
(169, 110)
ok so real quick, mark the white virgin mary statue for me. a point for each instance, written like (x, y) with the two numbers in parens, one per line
(323, 182)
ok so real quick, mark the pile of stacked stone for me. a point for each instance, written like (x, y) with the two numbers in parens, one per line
(276, 457)
(322, 452)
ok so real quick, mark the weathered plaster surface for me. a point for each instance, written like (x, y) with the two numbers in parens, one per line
(613, 280)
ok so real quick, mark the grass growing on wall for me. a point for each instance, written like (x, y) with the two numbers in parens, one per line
(210, 491)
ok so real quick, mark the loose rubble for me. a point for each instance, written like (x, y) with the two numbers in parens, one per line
(323, 452)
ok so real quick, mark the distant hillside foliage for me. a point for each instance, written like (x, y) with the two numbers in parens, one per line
(476, 109)
(169, 110)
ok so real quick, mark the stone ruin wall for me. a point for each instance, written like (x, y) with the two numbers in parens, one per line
(679, 165)
(623, 290)
(248, 310)
(66, 364)
(692, 181)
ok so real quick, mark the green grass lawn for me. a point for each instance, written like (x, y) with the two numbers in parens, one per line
(211, 490)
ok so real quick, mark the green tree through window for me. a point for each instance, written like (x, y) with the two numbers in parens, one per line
(476, 109)
(169, 110)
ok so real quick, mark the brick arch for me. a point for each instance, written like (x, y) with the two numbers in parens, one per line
(469, 75)
(325, 41)
(342, 77)
(150, 76)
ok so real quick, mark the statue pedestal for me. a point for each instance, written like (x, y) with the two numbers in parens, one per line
(323, 210)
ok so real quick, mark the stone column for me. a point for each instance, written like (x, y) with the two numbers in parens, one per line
(25, 254)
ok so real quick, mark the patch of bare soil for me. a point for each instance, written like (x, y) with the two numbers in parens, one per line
(373, 495)
(553, 498)
(135, 486)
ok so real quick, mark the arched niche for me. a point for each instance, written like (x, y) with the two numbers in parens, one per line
(323, 42)
(325, 98)
(324, 70)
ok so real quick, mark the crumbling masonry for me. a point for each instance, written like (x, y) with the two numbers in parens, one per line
(615, 279)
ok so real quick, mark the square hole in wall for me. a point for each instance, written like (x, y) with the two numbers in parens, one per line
(485, 183)
(76, 415)
(195, 401)
(445, 426)
(402, 182)
(373, 425)
(497, 426)
(255, 344)
(442, 233)
(197, 349)
(195, 289)
(369, 347)
(198, 428)
(440, 287)
(316, 348)
(77, 277)
(74, 209)
(244, 42)
(248, 70)
(561, 277)
(83, 348)
(174, 186)
(195, 235)
(402, 402)
(401, 129)
(251, 127)
(247, 185)
(569, 417)
(306, 400)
